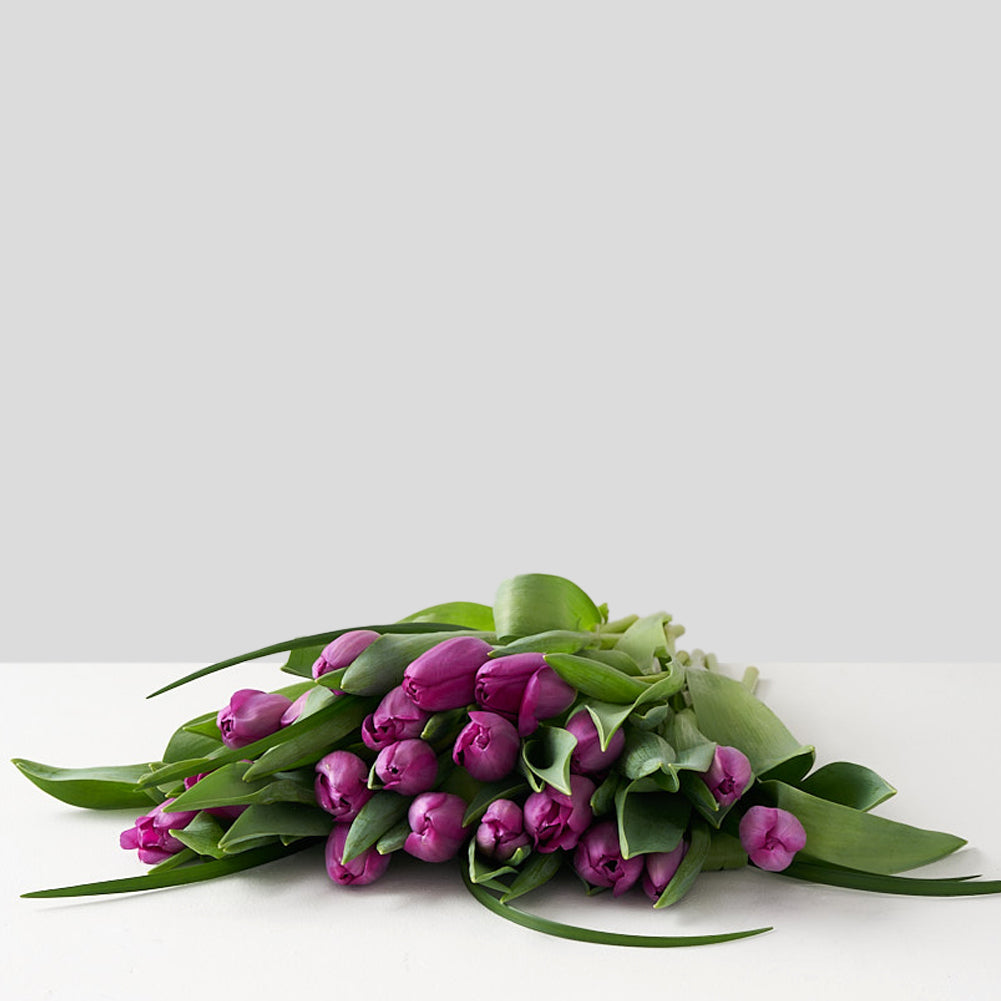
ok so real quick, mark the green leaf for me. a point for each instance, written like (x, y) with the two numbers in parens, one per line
(608, 717)
(603, 798)
(300, 661)
(482, 870)
(183, 857)
(644, 753)
(848, 784)
(227, 787)
(644, 639)
(907, 885)
(393, 839)
(276, 819)
(858, 840)
(466, 614)
(595, 679)
(691, 865)
(536, 603)
(317, 639)
(184, 744)
(725, 852)
(374, 820)
(649, 821)
(380, 667)
(575, 933)
(537, 871)
(202, 835)
(205, 726)
(546, 754)
(507, 788)
(729, 714)
(197, 873)
(553, 641)
(614, 658)
(111, 788)
(444, 726)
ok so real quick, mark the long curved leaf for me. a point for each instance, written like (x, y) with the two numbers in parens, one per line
(910, 886)
(537, 603)
(112, 788)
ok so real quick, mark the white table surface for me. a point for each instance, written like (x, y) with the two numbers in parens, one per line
(930, 729)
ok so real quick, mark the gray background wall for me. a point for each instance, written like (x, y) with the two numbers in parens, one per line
(317, 315)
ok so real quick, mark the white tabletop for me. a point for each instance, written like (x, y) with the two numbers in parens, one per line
(930, 729)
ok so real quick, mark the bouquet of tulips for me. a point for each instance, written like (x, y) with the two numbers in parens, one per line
(515, 738)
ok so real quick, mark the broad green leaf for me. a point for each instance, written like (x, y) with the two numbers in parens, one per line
(206, 726)
(197, 873)
(184, 745)
(879, 883)
(644, 753)
(603, 798)
(333, 679)
(202, 835)
(553, 641)
(227, 787)
(618, 659)
(277, 819)
(317, 639)
(507, 788)
(483, 870)
(183, 857)
(660, 687)
(649, 821)
(536, 603)
(608, 717)
(729, 714)
(393, 839)
(644, 639)
(858, 840)
(293, 691)
(537, 871)
(466, 614)
(300, 661)
(848, 784)
(725, 852)
(701, 797)
(546, 754)
(380, 667)
(575, 933)
(444, 726)
(691, 865)
(376, 818)
(595, 679)
(111, 788)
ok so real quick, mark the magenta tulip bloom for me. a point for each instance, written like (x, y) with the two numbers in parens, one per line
(151, 833)
(364, 868)
(222, 812)
(555, 820)
(660, 870)
(251, 715)
(546, 694)
(587, 756)
(342, 784)
(395, 718)
(343, 650)
(502, 830)
(487, 747)
(436, 825)
(599, 860)
(523, 688)
(294, 711)
(443, 677)
(407, 767)
(771, 837)
(729, 775)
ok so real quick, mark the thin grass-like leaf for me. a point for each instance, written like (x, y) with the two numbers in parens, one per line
(956, 886)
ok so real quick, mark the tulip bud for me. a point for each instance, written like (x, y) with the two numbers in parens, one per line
(487, 747)
(250, 716)
(522, 688)
(443, 677)
(342, 784)
(546, 694)
(599, 860)
(364, 868)
(660, 870)
(555, 820)
(294, 711)
(729, 775)
(436, 825)
(502, 830)
(151, 833)
(395, 718)
(222, 812)
(771, 837)
(588, 757)
(343, 650)
(407, 767)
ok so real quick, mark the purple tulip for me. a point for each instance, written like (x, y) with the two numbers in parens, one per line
(151, 833)
(587, 756)
(502, 830)
(555, 820)
(250, 716)
(729, 775)
(660, 870)
(343, 650)
(522, 688)
(436, 825)
(443, 677)
(487, 747)
(222, 812)
(771, 837)
(294, 711)
(364, 868)
(599, 860)
(407, 767)
(342, 784)
(395, 718)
